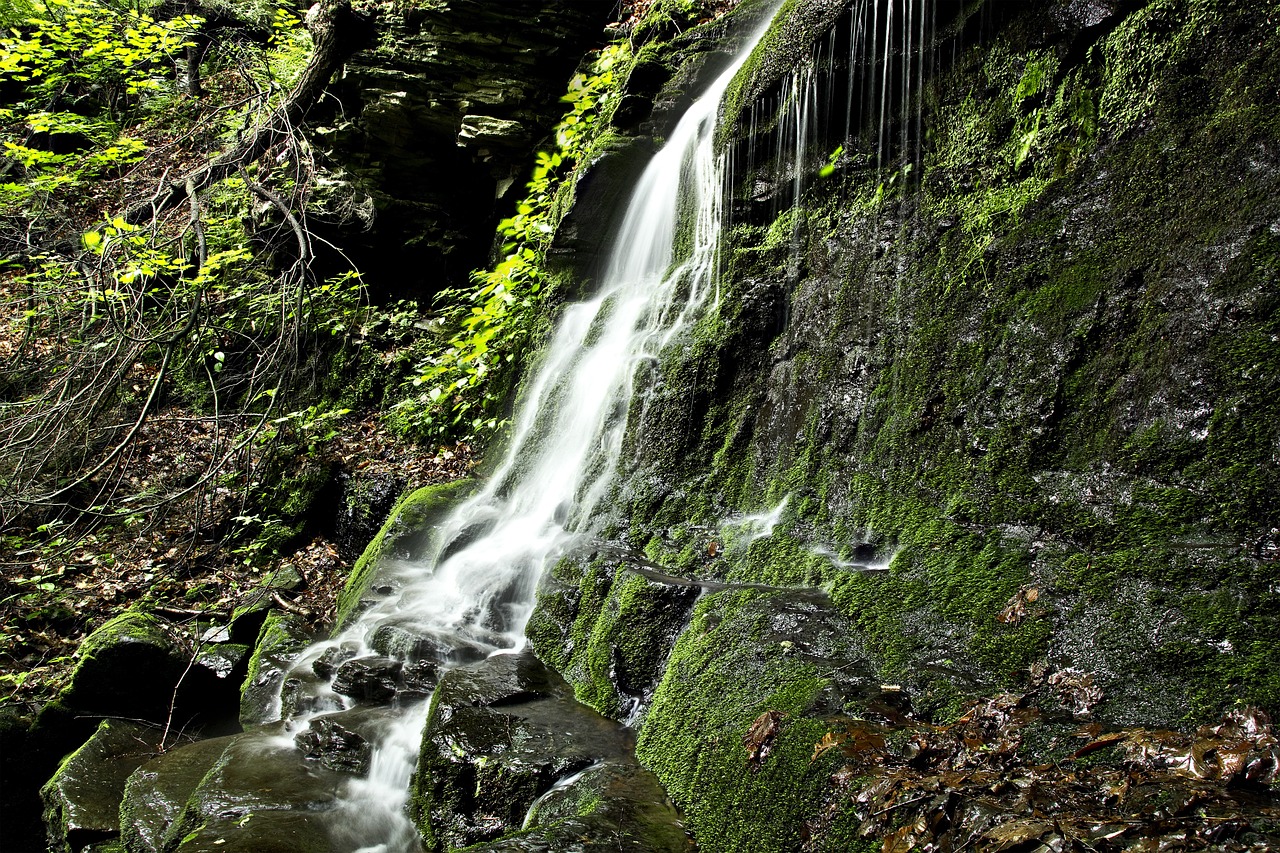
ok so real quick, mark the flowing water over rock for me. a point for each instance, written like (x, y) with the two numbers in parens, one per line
(356, 700)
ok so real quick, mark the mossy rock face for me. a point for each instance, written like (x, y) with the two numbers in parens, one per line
(82, 800)
(408, 529)
(608, 628)
(440, 117)
(500, 734)
(1044, 399)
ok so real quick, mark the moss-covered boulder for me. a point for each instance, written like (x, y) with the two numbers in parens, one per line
(501, 735)
(138, 666)
(408, 528)
(82, 800)
(127, 668)
(282, 639)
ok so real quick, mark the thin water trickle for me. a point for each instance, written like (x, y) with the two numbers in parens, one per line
(473, 593)
(749, 528)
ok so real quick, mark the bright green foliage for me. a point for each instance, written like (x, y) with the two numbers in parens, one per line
(83, 66)
(465, 382)
(75, 45)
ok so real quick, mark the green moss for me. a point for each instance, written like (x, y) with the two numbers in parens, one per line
(606, 630)
(720, 679)
(132, 626)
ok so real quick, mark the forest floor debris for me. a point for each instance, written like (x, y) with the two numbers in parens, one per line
(1008, 776)
(54, 593)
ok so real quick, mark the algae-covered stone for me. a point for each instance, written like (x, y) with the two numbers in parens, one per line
(82, 800)
(409, 527)
(282, 639)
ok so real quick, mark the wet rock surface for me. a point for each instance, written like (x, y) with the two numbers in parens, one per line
(370, 679)
(364, 503)
(250, 792)
(82, 800)
(335, 747)
(501, 734)
(157, 792)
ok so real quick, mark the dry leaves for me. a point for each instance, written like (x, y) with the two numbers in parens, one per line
(976, 785)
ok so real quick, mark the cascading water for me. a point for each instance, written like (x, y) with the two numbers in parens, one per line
(471, 596)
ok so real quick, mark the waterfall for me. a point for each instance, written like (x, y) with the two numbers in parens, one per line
(471, 595)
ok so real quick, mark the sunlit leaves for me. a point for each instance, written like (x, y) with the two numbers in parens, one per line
(74, 44)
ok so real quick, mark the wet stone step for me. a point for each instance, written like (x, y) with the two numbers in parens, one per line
(373, 679)
(413, 644)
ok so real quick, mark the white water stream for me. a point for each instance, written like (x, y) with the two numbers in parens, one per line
(472, 595)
